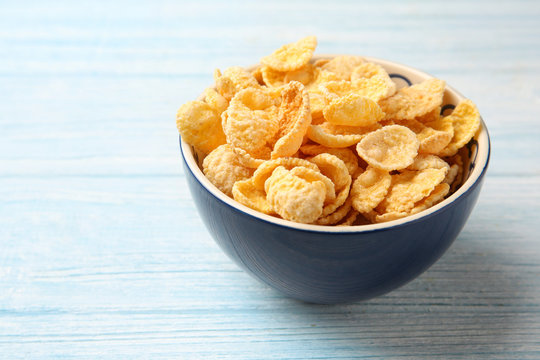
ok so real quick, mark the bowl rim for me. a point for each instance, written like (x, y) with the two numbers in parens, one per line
(482, 162)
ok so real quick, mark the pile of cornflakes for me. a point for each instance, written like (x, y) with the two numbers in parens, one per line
(328, 142)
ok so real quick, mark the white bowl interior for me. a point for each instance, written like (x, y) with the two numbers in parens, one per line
(479, 159)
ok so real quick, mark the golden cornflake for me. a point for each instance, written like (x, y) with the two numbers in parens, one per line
(271, 77)
(264, 171)
(353, 110)
(393, 147)
(466, 122)
(293, 197)
(294, 119)
(414, 101)
(346, 155)
(410, 187)
(337, 215)
(240, 77)
(337, 171)
(334, 168)
(291, 56)
(305, 75)
(367, 70)
(316, 133)
(223, 169)
(246, 123)
(246, 193)
(343, 66)
(200, 126)
(370, 188)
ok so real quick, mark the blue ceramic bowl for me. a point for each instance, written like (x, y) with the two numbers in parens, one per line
(323, 264)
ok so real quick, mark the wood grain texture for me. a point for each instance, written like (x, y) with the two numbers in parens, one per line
(102, 253)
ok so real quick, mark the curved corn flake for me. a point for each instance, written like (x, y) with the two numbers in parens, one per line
(343, 65)
(353, 110)
(457, 161)
(423, 161)
(394, 215)
(435, 197)
(432, 141)
(338, 88)
(393, 147)
(245, 193)
(240, 77)
(294, 198)
(252, 161)
(200, 126)
(337, 215)
(216, 101)
(409, 187)
(369, 189)
(265, 169)
(317, 134)
(252, 99)
(341, 197)
(224, 85)
(414, 101)
(294, 119)
(305, 75)
(444, 133)
(452, 174)
(351, 218)
(292, 56)
(321, 76)
(223, 169)
(466, 122)
(334, 168)
(376, 88)
(346, 155)
(374, 80)
(315, 175)
(367, 70)
(248, 129)
(272, 78)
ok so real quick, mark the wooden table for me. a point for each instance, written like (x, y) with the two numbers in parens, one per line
(102, 253)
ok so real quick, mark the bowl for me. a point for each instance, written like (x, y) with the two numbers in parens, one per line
(328, 265)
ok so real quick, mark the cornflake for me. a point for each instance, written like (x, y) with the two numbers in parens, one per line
(329, 142)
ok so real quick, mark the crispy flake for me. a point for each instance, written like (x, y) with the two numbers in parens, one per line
(393, 147)
(200, 126)
(370, 188)
(414, 101)
(293, 197)
(353, 110)
(294, 119)
(223, 169)
(291, 56)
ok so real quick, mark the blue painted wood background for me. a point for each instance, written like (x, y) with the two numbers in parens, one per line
(102, 253)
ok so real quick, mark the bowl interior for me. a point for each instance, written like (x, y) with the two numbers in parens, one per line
(476, 159)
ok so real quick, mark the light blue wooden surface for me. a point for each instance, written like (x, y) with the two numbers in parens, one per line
(102, 253)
